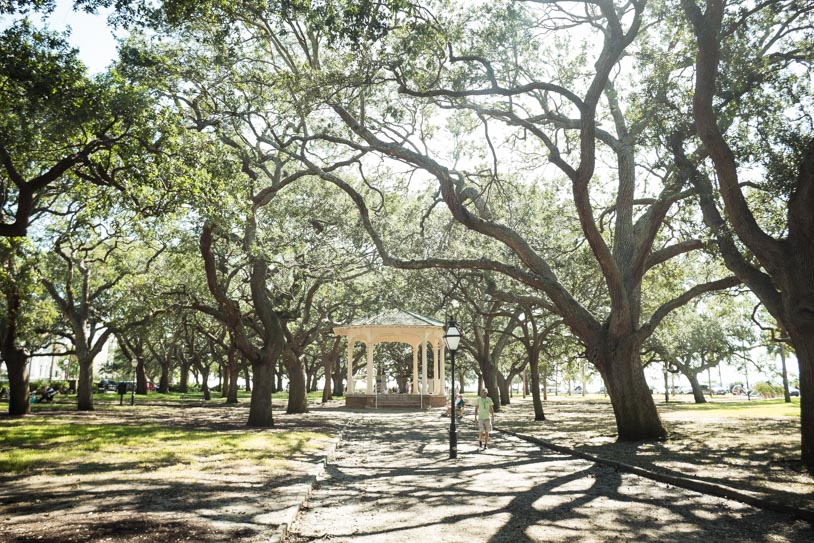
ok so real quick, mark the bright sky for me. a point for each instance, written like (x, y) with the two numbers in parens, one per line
(89, 34)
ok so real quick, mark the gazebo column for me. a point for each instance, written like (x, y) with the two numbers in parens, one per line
(369, 346)
(424, 365)
(414, 388)
(442, 371)
(351, 388)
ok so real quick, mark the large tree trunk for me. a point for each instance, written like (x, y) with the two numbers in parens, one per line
(489, 381)
(247, 379)
(278, 387)
(183, 385)
(328, 364)
(207, 395)
(297, 394)
(803, 340)
(461, 379)
(260, 407)
(503, 388)
(84, 386)
(534, 368)
(697, 393)
(224, 378)
(232, 372)
(164, 381)
(141, 376)
(231, 393)
(338, 379)
(784, 374)
(17, 365)
(637, 418)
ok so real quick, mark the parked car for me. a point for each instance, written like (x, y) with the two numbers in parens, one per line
(794, 392)
(720, 390)
(106, 385)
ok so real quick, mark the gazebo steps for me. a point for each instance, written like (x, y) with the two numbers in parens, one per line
(394, 401)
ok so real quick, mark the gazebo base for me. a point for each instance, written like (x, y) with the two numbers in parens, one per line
(394, 401)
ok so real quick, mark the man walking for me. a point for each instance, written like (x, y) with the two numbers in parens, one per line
(484, 413)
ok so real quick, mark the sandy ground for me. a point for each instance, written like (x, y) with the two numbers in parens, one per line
(392, 481)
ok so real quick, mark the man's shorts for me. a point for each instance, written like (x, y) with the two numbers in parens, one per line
(484, 425)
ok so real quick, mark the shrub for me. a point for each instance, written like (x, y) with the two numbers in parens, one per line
(768, 390)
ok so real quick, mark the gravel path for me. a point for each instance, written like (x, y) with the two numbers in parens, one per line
(391, 481)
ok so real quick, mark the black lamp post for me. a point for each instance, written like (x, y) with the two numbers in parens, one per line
(451, 339)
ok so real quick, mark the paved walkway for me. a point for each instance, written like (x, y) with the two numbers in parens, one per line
(391, 481)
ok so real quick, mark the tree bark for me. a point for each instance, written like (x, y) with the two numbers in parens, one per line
(260, 407)
(534, 368)
(637, 418)
(329, 385)
(84, 386)
(183, 385)
(785, 374)
(803, 340)
(697, 393)
(247, 380)
(164, 382)
(207, 394)
(16, 360)
(141, 377)
(503, 388)
(232, 372)
(297, 393)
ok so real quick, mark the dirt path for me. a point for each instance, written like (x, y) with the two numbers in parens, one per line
(391, 481)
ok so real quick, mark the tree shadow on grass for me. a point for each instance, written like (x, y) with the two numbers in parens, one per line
(753, 455)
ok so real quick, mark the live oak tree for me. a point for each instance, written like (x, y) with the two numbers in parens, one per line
(87, 276)
(535, 106)
(60, 127)
(24, 313)
(698, 339)
(370, 93)
(752, 112)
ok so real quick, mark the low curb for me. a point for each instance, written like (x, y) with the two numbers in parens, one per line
(281, 531)
(696, 485)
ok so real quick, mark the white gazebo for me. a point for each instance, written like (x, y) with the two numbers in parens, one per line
(398, 326)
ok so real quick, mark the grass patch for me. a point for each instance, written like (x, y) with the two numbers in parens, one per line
(37, 443)
(753, 409)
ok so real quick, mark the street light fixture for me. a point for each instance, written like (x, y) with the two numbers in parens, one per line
(451, 339)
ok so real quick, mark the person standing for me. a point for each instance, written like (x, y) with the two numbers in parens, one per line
(484, 413)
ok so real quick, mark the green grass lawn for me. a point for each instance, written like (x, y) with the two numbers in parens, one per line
(104, 398)
(37, 442)
(749, 409)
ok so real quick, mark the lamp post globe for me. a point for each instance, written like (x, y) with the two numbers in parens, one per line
(452, 338)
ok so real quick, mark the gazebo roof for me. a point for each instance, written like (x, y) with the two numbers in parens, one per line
(396, 317)
(395, 325)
